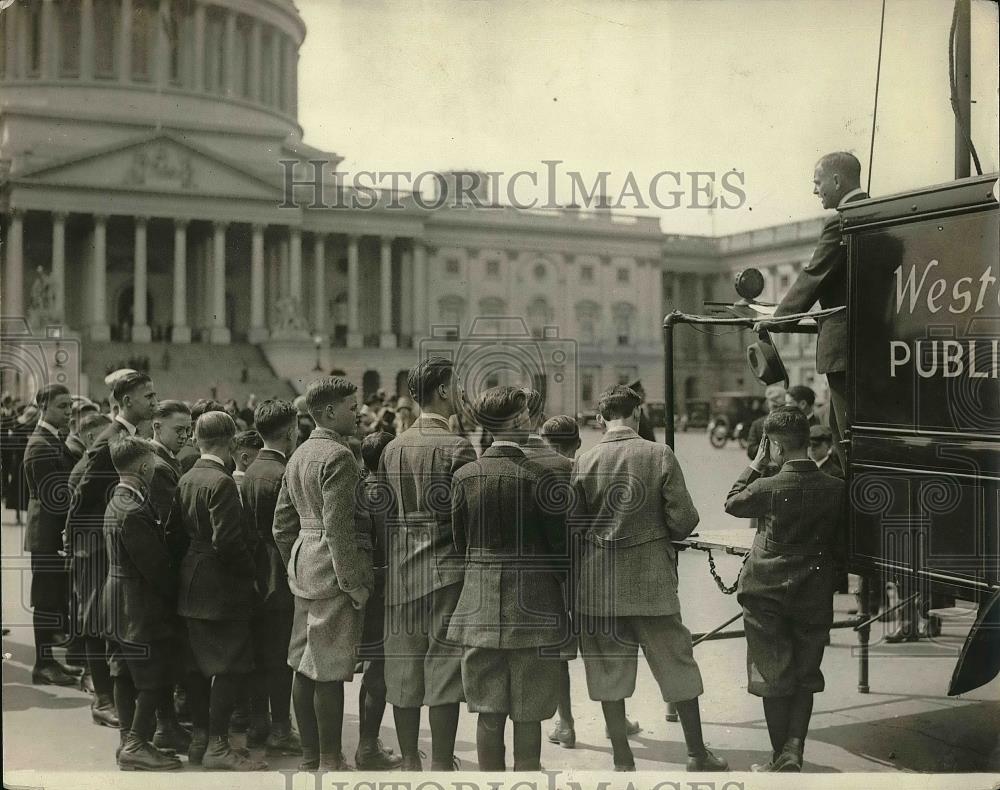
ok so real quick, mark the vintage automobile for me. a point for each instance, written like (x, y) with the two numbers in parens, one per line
(732, 415)
(696, 414)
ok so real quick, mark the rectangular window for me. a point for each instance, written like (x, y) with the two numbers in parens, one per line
(493, 269)
(3, 45)
(105, 38)
(623, 275)
(266, 64)
(69, 38)
(179, 35)
(587, 388)
(244, 34)
(33, 38)
(451, 266)
(587, 274)
(215, 53)
(282, 98)
(143, 40)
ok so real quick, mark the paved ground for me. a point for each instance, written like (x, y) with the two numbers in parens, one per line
(906, 724)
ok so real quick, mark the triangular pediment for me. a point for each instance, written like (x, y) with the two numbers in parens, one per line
(160, 162)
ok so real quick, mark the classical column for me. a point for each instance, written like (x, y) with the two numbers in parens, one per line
(406, 294)
(199, 46)
(181, 332)
(295, 265)
(49, 43)
(125, 43)
(140, 321)
(290, 66)
(219, 332)
(59, 265)
(319, 284)
(99, 328)
(230, 55)
(354, 339)
(258, 327)
(276, 39)
(13, 276)
(11, 40)
(162, 67)
(86, 39)
(255, 52)
(386, 338)
(420, 328)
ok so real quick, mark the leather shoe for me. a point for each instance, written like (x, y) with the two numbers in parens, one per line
(259, 729)
(220, 756)
(706, 761)
(334, 762)
(87, 683)
(454, 765)
(412, 764)
(137, 755)
(170, 735)
(564, 735)
(631, 728)
(373, 756)
(199, 743)
(53, 675)
(103, 713)
(788, 761)
(283, 739)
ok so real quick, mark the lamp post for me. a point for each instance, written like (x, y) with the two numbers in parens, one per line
(318, 342)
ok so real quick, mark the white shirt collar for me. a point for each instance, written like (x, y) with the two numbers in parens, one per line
(849, 195)
(219, 461)
(534, 437)
(128, 426)
(49, 427)
(238, 475)
(275, 450)
(158, 443)
(504, 443)
(135, 491)
(433, 415)
(825, 459)
(618, 428)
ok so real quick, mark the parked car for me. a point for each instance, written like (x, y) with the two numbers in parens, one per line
(696, 414)
(732, 414)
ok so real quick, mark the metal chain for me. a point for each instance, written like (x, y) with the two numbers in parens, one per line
(718, 579)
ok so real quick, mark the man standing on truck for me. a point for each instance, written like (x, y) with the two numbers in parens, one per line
(836, 181)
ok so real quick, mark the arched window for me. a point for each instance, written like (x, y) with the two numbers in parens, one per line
(588, 318)
(487, 322)
(624, 314)
(105, 38)
(539, 316)
(69, 38)
(451, 309)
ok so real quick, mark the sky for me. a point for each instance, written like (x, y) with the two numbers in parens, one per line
(763, 87)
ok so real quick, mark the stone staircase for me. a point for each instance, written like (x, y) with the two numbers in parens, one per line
(189, 372)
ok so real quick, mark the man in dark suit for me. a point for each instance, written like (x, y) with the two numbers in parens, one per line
(82, 408)
(511, 606)
(171, 429)
(774, 398)
(216, 593)
(804, 399)
(631, 503)
(645, 429)
(136, 399)
(821, 451)
(326, 549)
(836, 181)
(425, 571)
(47, 464)
(786, 587)
(137, 601)
(91, 426)
(271, 627)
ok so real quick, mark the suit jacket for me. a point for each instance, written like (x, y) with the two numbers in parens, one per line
(163, 486)
(798, 512)
(261, 486)
(832, 466)
(318, 524)
(419, 466)
(824, 279)
(515, 554)
(645, 427)
(138, 598)
(630, 503)
(85, 529)
(47, 464)
(77, 449)
(187, 456)
(376, 502)
(217, 572)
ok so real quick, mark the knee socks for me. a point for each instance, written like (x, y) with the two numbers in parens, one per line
(527, 745)
(444, 728)
(330, 717)
(614, 718)
(690, 715)
(303, 698)
(490, 747)
(407, 729)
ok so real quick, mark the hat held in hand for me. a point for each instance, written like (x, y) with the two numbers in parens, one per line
(765, 362)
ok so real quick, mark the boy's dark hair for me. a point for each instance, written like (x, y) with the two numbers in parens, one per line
(274, 417)
(617, 402)
(326, 390)
(49, 393)
(561, 430)
(372, 446)
(213, 428)
(498, 405)
(802, 392)
(128, 384)
(248, 440)
(426, 377)
(126, 451)
(203, 406)
(167, 407)
(788, 425)
(535, 402)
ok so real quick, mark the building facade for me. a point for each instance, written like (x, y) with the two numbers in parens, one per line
(144, 199)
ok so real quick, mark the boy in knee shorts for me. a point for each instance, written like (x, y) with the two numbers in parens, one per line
(786, 588)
